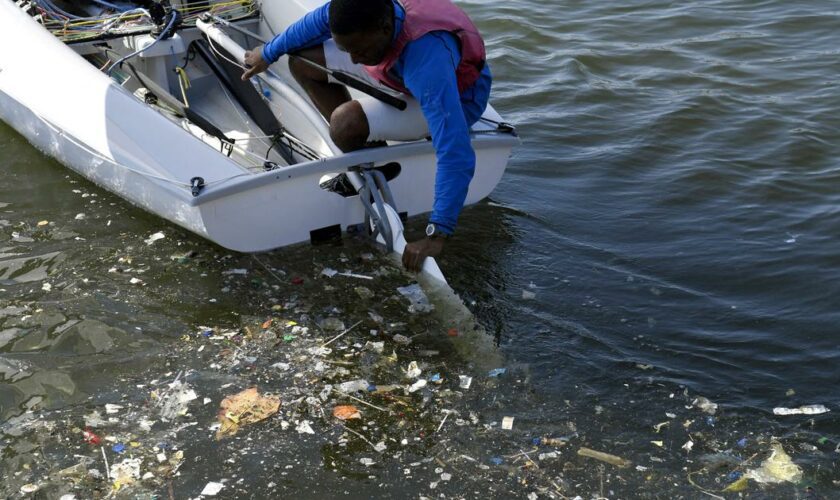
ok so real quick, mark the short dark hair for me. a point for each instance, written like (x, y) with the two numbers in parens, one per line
(356, 16)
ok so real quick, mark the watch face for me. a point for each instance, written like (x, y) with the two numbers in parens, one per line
(430, 230)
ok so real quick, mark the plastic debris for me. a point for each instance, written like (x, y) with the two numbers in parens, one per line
(153, 238)
(496, 372)
(112, 408)
(90, 437)
(354, 386)
(328, 272)
(174, 401)
(658, 427)
(464, 382)
(304, 427)
(739, 485)
(29, 488)
(346, 412)
(802, 410)
(416, 386)
(507, 423)
(705, 405)
(777, 468)
(413, 370)
(401, 339)
(244, 408)
(419, 302)
(212, 489)
(688, 446)
(605, 457)
(126, 472)
(549, 441)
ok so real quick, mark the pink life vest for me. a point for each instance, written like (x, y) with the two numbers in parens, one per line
(424, 16)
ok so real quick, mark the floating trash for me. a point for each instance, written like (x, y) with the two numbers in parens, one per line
(212, 489)
(243, 408)
(705, 405)
(153, 238)
(802, 410)
(777, 468)
(419, 301)
(604, 457)
(346, 412)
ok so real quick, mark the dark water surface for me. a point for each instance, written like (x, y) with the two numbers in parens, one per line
(673, 209)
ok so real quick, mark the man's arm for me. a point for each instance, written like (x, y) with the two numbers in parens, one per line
(310, 30)
(428, 66)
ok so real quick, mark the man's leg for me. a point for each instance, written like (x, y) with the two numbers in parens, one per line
(348, 125)
(326, 95)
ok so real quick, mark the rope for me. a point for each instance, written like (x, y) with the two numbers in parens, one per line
(96, 154)
(184, 83)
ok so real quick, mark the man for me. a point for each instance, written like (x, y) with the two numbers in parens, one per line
(427, 49)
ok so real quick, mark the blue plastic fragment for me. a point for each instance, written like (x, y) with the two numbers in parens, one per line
(496, 460)
(207, 333)
(734, 475)
(742, 443)
(536, 441)
(118, 448)
(495, 372)
(435, 377)
(710, 421)
(371, 388)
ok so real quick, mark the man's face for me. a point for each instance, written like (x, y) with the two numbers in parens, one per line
(367, 47)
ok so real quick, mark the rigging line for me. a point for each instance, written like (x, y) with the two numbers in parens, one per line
(169, 26)
(212, 46)
(98, 155)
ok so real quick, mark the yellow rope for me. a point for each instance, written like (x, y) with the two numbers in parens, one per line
(184, 83)
(64, 28)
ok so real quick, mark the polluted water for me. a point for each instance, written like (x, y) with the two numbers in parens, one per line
(329, 369)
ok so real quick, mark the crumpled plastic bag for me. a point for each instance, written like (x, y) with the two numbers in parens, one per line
(246, 407)
(777, 468)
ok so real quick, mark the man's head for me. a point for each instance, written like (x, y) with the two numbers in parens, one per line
(363, 28)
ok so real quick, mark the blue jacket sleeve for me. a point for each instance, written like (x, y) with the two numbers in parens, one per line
(428, 70)
(312, 29)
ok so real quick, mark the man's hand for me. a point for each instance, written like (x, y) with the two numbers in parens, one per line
(254, 62)
(417, 251)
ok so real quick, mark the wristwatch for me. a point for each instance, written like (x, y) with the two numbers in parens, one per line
(433, 231)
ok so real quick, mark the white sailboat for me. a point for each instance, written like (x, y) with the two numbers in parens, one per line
(174, 131)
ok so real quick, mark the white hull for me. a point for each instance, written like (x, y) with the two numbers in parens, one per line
(75, 113)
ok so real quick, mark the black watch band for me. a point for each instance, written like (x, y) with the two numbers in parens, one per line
(433, 231)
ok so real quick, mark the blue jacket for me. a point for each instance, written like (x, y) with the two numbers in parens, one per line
(448, 113)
